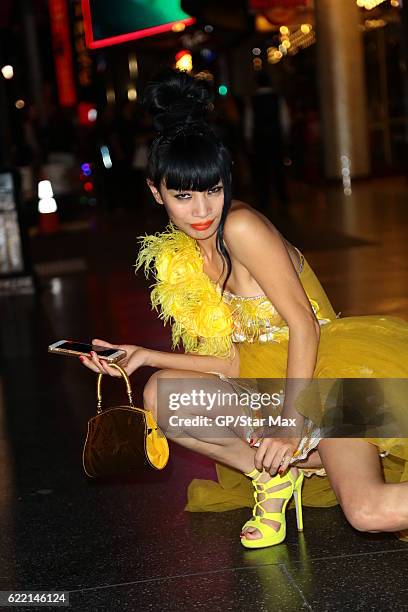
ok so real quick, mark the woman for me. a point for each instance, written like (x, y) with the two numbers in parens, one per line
(273, 322)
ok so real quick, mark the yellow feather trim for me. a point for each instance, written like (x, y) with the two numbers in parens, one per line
(182, 291)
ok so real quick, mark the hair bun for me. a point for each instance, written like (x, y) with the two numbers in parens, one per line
(175, 97)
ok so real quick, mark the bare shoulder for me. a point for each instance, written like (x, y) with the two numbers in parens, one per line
(244, 222)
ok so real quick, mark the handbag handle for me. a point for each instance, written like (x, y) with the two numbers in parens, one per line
(99, 385)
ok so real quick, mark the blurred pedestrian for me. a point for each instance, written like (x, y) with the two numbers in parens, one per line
(267, 126)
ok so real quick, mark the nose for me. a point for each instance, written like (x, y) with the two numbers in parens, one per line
(200, 206)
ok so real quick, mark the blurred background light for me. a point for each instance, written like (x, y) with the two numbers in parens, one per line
(179, 26)
(110, 95)
(369, 4)
(47, 205)
(207, 54)
(92, 115)
(106, 158)
(133, 67)
(7, 71)
(184, 61)
(45, 190)
(132, 94)
(305, 28)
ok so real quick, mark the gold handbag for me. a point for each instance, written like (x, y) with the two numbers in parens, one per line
(122, 439)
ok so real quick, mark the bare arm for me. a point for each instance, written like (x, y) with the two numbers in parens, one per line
(195, 363)
(138, 356)
(261, 250)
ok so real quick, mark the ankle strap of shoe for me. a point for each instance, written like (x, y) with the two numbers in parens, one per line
(254, 474)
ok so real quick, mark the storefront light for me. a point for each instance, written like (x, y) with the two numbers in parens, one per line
(369, 4)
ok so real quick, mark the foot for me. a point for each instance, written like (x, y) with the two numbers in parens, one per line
(271, 505)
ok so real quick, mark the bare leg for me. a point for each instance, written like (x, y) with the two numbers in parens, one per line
(225, 446)
(369, 503)
(228, 446)
(313, 460)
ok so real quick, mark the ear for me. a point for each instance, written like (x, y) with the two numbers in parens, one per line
(155, 191)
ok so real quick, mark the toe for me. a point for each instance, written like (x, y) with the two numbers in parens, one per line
(251, 533)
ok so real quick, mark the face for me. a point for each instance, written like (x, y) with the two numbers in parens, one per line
(196, 213)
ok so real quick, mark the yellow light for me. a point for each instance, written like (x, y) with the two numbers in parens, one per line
(262, 24)
(7, 71)
(369, 4)
(274, 58)
(133, 68)
(286, 43)
(395, 3)
(284, 30)
(371, 24)
(132, 94)
(178, 27)
(257, 63)
(20, 104)
(110, 95)
(184, 62)
(305, 28)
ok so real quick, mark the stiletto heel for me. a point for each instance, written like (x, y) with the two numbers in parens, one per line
(270, 536)
(297, 494)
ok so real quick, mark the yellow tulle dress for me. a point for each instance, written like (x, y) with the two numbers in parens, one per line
(208, 323)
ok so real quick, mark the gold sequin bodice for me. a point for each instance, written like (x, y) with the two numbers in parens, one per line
(255, 319)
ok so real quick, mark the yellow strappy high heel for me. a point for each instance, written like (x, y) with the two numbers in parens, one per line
(271, 536)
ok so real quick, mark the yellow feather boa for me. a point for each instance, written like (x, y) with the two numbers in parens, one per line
(182, 290)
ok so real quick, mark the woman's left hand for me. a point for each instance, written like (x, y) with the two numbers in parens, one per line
(274, 454)
(136, 357)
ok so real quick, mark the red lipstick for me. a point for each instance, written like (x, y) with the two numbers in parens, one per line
(201, 226)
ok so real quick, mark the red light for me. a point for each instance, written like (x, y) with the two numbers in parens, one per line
(61, 37)
(88, 186)
(83, 112)
(181, 54)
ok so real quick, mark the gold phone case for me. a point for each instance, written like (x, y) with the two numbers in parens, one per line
(70, 353)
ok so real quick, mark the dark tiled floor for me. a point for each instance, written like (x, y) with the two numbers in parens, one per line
(130, 545)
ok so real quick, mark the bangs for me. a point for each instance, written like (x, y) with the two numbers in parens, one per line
(192, 163)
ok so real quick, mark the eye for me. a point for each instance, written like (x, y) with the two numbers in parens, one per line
(182, 196)
(215, 189)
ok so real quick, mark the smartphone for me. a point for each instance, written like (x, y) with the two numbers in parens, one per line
(74, 349)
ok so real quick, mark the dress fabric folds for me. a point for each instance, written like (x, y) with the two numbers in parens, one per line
(351, 347)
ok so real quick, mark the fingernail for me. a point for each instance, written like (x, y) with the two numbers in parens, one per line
(93, 354)
(82, 357)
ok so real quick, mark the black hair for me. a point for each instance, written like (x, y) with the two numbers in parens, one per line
(186, 153)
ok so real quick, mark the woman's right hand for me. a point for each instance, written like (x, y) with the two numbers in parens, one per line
(136, 357)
